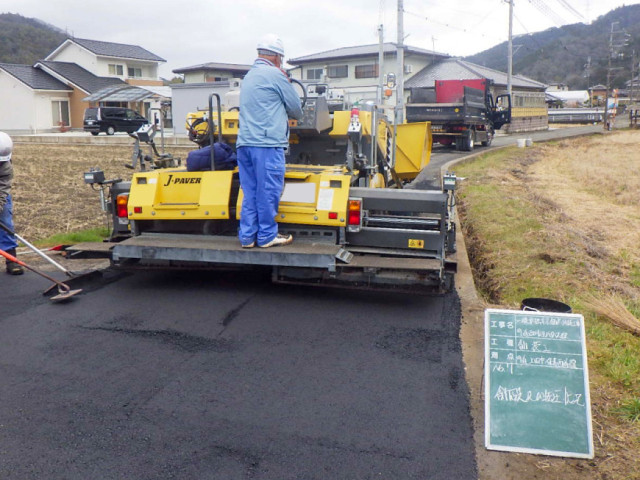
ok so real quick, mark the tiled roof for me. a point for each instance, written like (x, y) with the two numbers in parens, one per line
(77, 75)
(120, 50)
(455, 68)
(360, 51)
(34, 77)
(230, 67)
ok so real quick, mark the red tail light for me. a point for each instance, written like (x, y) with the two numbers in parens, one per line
(355, 211)
(122, 201)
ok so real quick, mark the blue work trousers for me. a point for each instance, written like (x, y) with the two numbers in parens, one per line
(262, 180)
(7, 242)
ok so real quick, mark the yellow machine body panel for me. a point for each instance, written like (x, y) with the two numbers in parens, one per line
(413, 153)
(312, 195)
(413, 141)
(171, 194)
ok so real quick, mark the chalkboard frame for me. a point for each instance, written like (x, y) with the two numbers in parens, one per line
(489, 442)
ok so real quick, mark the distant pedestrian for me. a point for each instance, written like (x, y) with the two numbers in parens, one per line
(267, 100)
(8, 242)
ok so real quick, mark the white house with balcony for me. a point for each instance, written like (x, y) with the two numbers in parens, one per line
(130, 63)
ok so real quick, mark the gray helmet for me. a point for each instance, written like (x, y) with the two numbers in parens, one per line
(6, 147)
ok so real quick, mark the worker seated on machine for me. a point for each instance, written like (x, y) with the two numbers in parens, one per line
(224, 158)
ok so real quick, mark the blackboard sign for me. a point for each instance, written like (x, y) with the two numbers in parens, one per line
(537, 384)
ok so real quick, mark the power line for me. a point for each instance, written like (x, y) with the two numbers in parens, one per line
(547, 12)
(454, 27)
(569, 7)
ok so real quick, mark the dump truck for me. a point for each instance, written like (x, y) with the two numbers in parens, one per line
(462, 112)
(353, 223)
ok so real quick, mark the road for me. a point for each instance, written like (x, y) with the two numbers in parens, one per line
(158, 375)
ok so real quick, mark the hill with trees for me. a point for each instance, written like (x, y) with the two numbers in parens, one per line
(563, 55)
(26, 40)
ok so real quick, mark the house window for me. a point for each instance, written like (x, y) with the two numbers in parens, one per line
(367, 71)
(212, 78)
(115, 69)
(338, 71)
(314, 74)
(60, 112)
(134, 72)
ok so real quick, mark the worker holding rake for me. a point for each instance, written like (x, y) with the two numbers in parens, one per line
(8, 242)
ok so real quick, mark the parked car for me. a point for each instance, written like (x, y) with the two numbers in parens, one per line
(111, 120)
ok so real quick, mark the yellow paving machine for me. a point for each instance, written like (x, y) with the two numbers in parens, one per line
(347, 201)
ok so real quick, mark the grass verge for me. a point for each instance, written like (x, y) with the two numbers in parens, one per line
(71, 238)
(560, 221)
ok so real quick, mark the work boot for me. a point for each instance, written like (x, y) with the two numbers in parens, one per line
(279, 240)
(12, 267)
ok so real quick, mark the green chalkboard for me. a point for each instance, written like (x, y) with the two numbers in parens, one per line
(537, 384)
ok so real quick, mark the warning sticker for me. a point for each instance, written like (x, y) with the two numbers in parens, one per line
(414, 243)
(325, 199)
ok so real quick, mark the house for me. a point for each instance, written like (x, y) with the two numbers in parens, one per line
(31, 100)
(569, 98)
(353, 71)
(130, 63)
(200, 81)
(51, 94)
(598, 94)
(529, 110)
(212, 72)
(558, 87)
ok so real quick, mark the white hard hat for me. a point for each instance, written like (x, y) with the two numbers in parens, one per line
(6, 147)
(272, 43)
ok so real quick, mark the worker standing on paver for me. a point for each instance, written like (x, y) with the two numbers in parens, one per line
(267, 100)
(8, 242)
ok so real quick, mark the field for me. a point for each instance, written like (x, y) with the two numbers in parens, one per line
(49, 192)
(562, 221)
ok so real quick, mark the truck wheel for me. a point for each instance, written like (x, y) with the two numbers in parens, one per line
(487, 142)
(95, 133)
(110, 130)
(468, 141)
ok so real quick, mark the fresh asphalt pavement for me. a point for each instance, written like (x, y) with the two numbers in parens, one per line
(178, 375)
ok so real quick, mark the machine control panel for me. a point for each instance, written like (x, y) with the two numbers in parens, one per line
(315, 117)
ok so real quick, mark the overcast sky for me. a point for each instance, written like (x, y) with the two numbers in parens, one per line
(195, 32)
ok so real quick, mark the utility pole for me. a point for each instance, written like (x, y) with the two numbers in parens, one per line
(606, 95)
(380, 95)
(615, 44)
(400, 58)
(588, 75)
(510, 48)
(633, 73)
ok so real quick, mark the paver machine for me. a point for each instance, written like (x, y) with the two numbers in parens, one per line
(347, 201)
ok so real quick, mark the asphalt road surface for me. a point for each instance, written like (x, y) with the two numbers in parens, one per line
(175, 375)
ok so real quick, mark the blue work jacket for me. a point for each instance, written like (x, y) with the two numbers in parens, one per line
(267, 100)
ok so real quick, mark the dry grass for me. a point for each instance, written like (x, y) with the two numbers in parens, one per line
(612, 308)
(49, 192)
